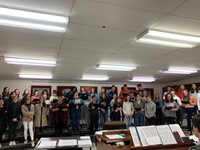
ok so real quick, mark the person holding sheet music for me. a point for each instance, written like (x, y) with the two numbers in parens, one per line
(128, 111)
(194, 92)
(150, 111)
(188, 103)
(59, 110)
(179, 111)
(40, 117)
(117, 110)
(94, 114)
(27, 119)
(169, 109)
(103, 109)
(35, 98)
(159, 103)
(54, 97)
(139, 111)
(75, 107)
(123, 93)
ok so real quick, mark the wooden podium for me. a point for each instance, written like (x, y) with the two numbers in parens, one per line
(103, 143)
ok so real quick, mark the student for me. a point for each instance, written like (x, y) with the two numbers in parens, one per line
(117, 110)
(150, 111)
(40, 117)
(103, 109)
(138, 106)
(144, 96)
(83, 94)
(159, 103)
(139, 89)
(123, 93)
(169, 109)
(168, 89)
(93, 93)
(196, 129)
(111, 106)
(194, 92)
(188, 107)
(180, 91)
(5, 93)
(128, 111)
(87, 110)
(59, 110)
(27, 119)
(75, 107)
(35, 98)
(54, 97)
(94, 114)
(2, 119)
(14, 112)
(179, 111)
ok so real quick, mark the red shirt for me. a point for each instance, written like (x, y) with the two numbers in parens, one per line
(121, 94)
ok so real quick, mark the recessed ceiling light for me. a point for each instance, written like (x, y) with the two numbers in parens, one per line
(33, 62)
(168, 39)
(174, 70)
(92, 77)
(115, 67)
(33, 76)
(142, 79)
(32, 20)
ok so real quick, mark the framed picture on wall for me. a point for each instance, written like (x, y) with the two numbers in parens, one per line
(66, 89)
(40, 89)
(108, 88)
(89, 88)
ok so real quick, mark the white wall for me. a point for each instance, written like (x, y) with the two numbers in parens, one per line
(186, 81)
(26, 84)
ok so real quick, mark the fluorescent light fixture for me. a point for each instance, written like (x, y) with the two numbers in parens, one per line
(32, 20)
(180, 70)
(115, 67)
(29, 76)
(32, 62)
(143, 79)
(168, 39)
(90, 77)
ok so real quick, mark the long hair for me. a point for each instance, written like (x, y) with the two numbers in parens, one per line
(186, 97)
(167, 100)
(3, 93)
(194, 90)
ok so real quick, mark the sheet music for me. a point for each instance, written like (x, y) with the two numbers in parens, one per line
(84, 143)
(134, 136)
(141, 135)
(85, 138)
(67, 143)
(77, 100)
(114, 136)
(151, 135)
(176, 127)
(47, 144)
(166, 134)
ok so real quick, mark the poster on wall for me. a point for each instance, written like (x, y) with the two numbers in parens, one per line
(40, 89)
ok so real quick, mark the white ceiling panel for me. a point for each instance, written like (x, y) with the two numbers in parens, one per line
(101, 14)
(96, 34)
(89, 47)
(28, 40)
(178, 25)
(190, 9)
(151, 5)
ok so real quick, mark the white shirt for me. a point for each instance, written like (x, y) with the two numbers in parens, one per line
(178, 100)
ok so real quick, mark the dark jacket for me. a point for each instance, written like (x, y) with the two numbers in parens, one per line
(94, 112)
(14, 110)
(2, 119)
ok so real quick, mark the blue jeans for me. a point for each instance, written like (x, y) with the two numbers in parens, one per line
(76, 116)
(139, 119)
(128, 121)
(103, 117)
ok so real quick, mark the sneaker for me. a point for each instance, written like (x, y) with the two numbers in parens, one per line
(14, 143)
(10, 143)
(32, 144)
(25, 142)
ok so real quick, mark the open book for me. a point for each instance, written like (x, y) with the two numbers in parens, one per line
(156, 135)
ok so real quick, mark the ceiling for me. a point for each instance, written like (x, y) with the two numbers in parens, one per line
(86, 43)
